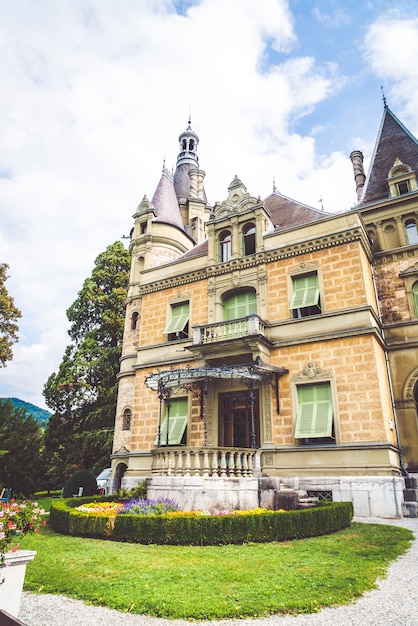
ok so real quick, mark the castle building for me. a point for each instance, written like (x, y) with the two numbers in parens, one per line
(271, 346)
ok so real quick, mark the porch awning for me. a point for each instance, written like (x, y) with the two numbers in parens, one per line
(245, 373)
(189, 375)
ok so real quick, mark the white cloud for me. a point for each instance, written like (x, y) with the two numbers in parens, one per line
(97, 93)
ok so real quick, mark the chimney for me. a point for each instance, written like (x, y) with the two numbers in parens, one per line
(359, 176)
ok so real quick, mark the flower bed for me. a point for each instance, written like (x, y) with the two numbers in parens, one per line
(196, 528)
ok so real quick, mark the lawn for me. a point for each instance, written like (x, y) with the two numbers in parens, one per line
(215, 582)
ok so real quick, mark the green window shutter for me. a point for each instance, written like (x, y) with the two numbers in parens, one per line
(314, 418)
(179, 318)
(177, 423)
(305, 291)
(240, 305)
(415, 295)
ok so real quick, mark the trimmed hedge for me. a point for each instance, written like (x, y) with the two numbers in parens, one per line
(200, 529)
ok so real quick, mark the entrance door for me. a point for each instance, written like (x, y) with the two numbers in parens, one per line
(235, 423)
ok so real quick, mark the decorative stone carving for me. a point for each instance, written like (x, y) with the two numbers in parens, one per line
(310, 372)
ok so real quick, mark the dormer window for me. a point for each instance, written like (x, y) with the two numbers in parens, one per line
(401, 179)
(249, 239)
(225, 246)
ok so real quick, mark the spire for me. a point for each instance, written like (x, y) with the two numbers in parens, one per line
(187, 160)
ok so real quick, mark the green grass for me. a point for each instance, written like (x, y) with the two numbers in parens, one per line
(215, 582)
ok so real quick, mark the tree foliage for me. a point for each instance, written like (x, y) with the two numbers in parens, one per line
(9, 314)
(83, 393)
(21, 467)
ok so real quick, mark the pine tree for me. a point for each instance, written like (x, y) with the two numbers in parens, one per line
(83, 393)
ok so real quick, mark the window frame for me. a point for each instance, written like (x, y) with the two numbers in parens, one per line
(231, 300)
(178, 423)
(225, 246)
(249, 239)
(309, 297)
(126, 421)
(177, 326)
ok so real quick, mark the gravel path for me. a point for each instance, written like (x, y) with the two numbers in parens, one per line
(393, 603)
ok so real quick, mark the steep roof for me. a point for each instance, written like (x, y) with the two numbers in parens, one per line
(165, 202)
(393, 141)
(286, 212)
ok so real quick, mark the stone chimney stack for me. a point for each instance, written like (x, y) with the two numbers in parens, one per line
(359, 176)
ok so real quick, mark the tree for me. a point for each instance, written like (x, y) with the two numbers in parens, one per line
(9, 314)
(83, 393)
(21, 467)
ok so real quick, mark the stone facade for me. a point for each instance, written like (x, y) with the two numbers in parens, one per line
(248, 365)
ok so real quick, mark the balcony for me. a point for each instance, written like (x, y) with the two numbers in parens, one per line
(244, 337)
(231, 329)
(221, 462)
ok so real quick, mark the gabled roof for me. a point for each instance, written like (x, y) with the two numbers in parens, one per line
(165, 202)
(286, 212)
(393, 141)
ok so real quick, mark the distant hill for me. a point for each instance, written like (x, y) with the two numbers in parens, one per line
(40, 415)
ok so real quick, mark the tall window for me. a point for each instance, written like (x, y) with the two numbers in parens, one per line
(178, 325)
(225, 246)
(411, 231)
(314, 422)
(126, 419)
(415, 296)
(173, 428)
(305, 298)
(135, 320)
(249, 239)
(240, 304)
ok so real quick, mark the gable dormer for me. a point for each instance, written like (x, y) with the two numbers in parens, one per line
(401, 179)
(237, 225)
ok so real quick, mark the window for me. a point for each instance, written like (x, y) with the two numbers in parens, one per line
(178, 326)
(135, 320)
(415, 296)
(225, 246)
(174, 423)
(411, 232)
(314, 422)
(240, 304)
(249, 239)
(126, 420)
(305, 299)
(402, 187)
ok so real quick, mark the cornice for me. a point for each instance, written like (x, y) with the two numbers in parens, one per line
(269, 256)
(397, 254)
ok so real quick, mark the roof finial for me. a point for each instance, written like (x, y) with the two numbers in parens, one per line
(383, 96)
(189, 127)
(274, 184)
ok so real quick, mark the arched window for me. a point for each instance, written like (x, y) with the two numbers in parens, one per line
(135, 320)
(411, 231)
(126, 420)
(225, 246)
(415, 296)
(240, 304)
(249, 239)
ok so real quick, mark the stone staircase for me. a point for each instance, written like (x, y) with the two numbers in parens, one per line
(410, 494)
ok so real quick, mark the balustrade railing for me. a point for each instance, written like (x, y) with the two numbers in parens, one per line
(224, 462)
(230, 329)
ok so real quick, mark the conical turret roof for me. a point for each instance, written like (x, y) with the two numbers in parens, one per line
(165, 202)
(393, 142)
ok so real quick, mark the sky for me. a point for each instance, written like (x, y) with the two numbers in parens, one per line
(96, 92)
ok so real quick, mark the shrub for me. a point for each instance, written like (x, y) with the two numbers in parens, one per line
(80, 478)
(198, 529)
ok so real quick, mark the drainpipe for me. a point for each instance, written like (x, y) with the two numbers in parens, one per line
(392, 397)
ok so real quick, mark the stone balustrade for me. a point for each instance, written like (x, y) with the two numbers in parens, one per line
(231, 329)
(221, 462)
